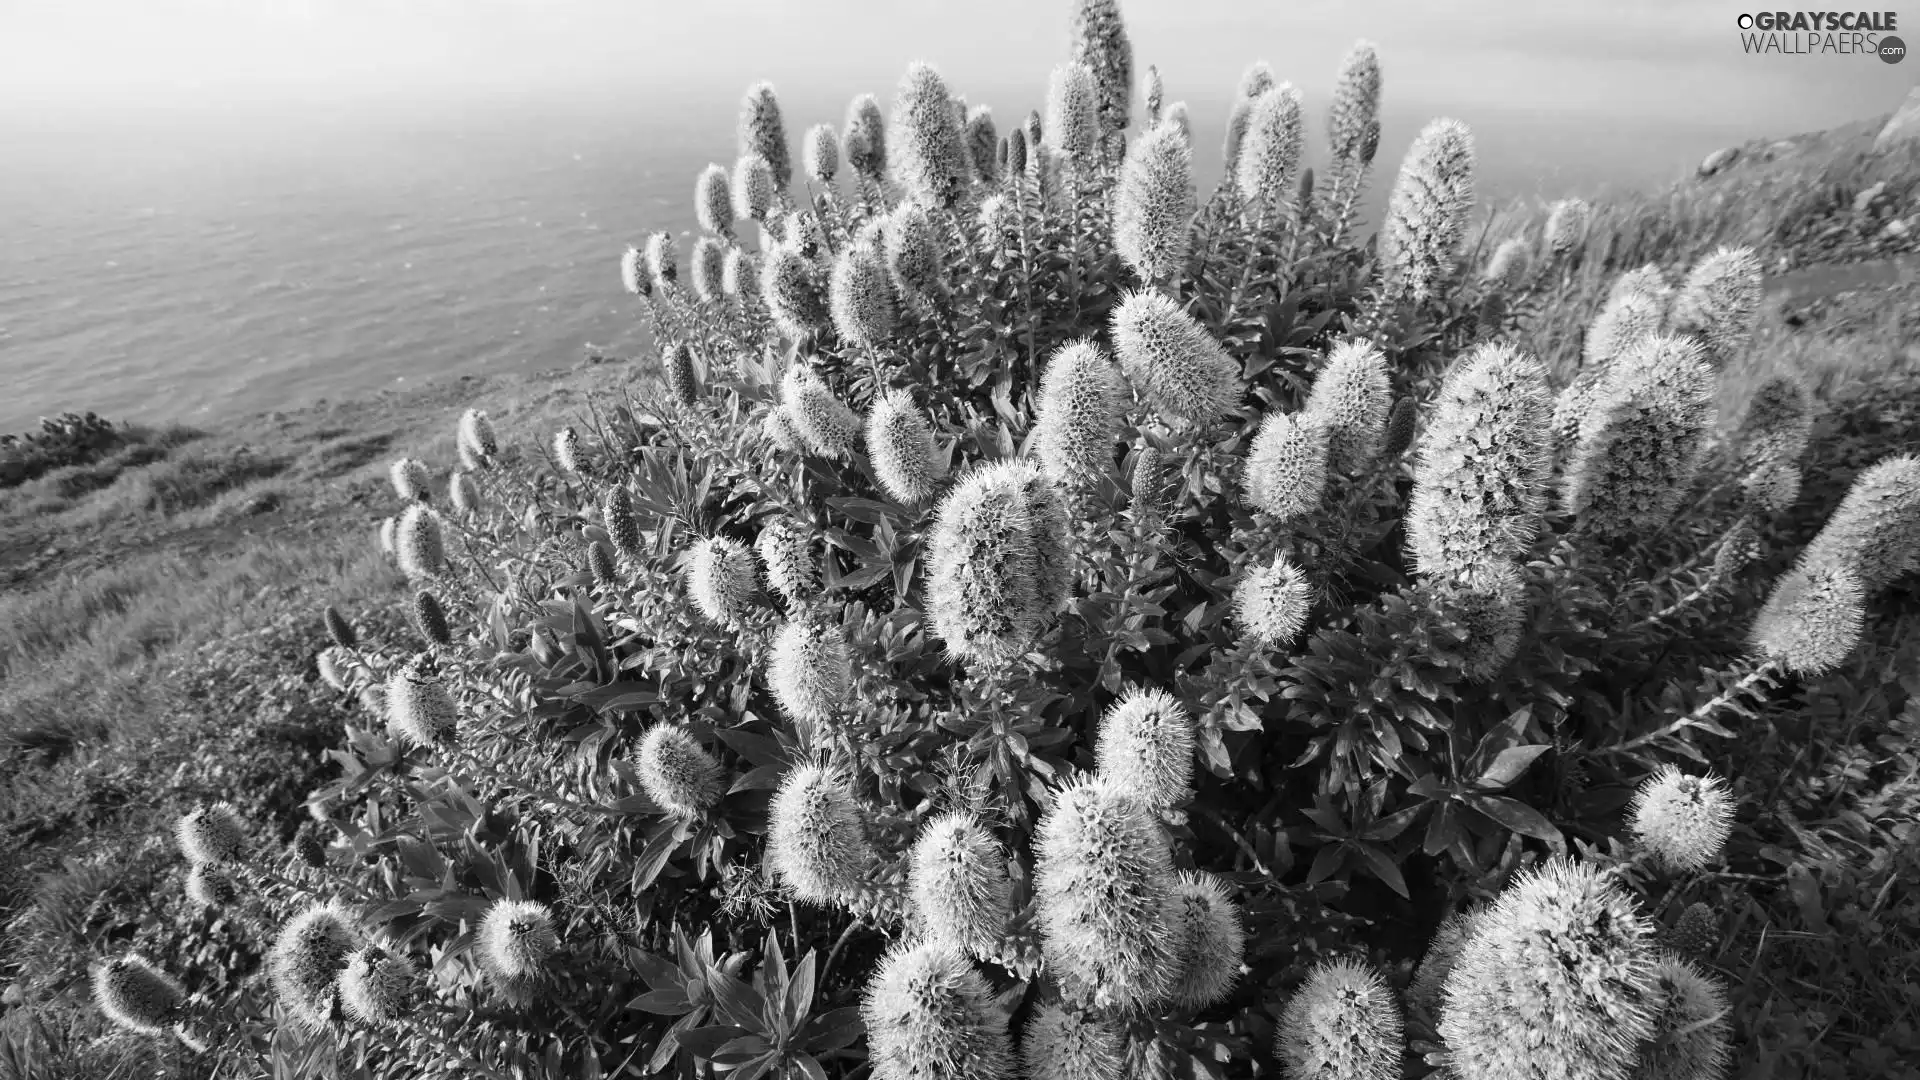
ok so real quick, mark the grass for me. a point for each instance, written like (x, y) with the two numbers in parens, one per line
(159, 622)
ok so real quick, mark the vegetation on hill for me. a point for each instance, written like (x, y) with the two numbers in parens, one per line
(1465, 627)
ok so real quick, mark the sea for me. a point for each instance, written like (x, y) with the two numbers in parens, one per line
(183, 265)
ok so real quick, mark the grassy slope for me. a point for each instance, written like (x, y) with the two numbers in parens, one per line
(159, 613)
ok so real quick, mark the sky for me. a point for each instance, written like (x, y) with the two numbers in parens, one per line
(1676, 60)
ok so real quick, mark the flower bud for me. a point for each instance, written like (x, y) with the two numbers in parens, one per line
(901, 447)
(332, 665)
(463, 493)
(740, 275)
(820, 153)
(706, 266)
(1286, 471)
(1100, 44)
(1355, 110)
(753, 188)
(566, 450)
(1566, 228)
(602, 565)
(981, 139)
(339, 628)
(931, 159)
(1691, 1028)
(1067, 1044)
(1508, 266)
(1211, 940)
(633, 272)
(1427, 214)
(663, 259)
(960, 886)
(210, 890)
(623, 527)
(1270, 151)
(430, 618)
(1813, 618)
(861, 297)
(786, 550)
(795, 296)
(1720, 304)
(1071, 125)
(913, 253)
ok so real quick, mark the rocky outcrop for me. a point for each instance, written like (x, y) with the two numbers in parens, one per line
(1903, 125)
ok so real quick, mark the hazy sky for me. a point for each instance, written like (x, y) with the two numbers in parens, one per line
(1680, 60)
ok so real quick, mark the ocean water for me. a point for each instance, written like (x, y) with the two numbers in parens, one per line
(164, 266)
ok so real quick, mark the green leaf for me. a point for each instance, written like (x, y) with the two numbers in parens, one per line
(1516, 815)
(1508, 765)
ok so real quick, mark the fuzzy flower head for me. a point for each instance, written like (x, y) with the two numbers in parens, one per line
(633, 272)
(516, 939)
(1082, 402)
(623, 525)
(1560, 974)
(713, 201)
(1480, 484)
(1152, 96)
(476, 435)
(997, 562)
(913, 252)
(740, 274)
(602, 564)
(1172, 359)
(1423, 994)
(722, 578)
(1644, 279)
(809, 670)
(1343, 1022)
(1147, 484)
(864, 139)
(1720, 304)
(828, 426)
(982, 140)
(1691, 1030)
(1507, 267)
(683, 384)
(663, 259)
(1356, 103)
(1270, 152)
(959, 884)
(419, 709)
(1566, 228)
(676, 772)
(930, 1015)
(210, 889)
(463, 493)
(566, 450)
(1017, 151)
(1072, 125)
(795, 296)
(1155, 204)
(411, 480)
(1813, 618)
(1875, 531)
(1286, 470)
(377, 987)
(1211, 940)
(929, 158)
(1100, 44)
(1350, 399)
(1180, 119)
(1104, 871)
(861, 297)
(306, 959)
(1427, 213)
(820, 153)
(901, 448)
(785, 548)
(1238, 119)
(338, 628)
(1067, 1044)
(1621, 326)
(1146, 748)
(763, 132)
(1641, 440)
(211, 835)
(1271, 602)
(1682, 822)
(706, 265)
(752, 188)
(1403, 423)
(136, 995)
(419, 543)
(816, 842)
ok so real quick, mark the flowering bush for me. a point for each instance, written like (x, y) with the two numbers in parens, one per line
(1044, 622)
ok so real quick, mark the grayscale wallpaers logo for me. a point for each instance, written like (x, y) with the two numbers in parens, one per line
(1823, 33)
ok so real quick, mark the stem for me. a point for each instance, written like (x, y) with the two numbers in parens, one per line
(1760, 674)
(839, 946)
(1239, 841)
